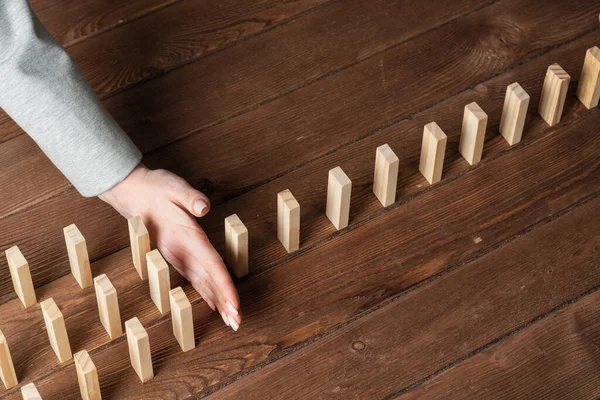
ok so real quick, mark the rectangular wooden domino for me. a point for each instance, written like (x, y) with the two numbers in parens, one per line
(182, 318)
(473, 133)
(159, 280)
(7, 368)
(140, 245)
(588, 90)
(139, 349)
(108, 306)
(57, 330)
(236, 246)
(385, 179)
(87, 376)
(21, 276)
(288, 221)
(339, 190)
(554, 93)
(433, 150)
(30, 392)
(514, 112)
(78, 256)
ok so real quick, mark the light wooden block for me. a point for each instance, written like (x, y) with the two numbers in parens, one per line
(236, 246)
(159, 280)
(78, 256)
(30, 392)
(139, 349)
(386, 175)
(57, 330)
(473, 133)
(288, 221)
(21, 276)
(87, 376)
(554, 93)
(140, 245)
(433, 149)
(182, 318)
(339, 190)
(588, 90)
(514, 112)
(7, 368)
(108, 306)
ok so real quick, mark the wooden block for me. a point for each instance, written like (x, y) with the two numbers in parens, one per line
(108, 306)
(473, 133)
(159, 280)
(21, 276)
(288, 221)
(554, 93)
(236, 246)
(30, 392)
(514, 112)
(588, 90)
(433, 150)
(139, 349)
(57, 331)
(78, 256)
(386, 175)
(339, 190)
(140, 245)
(7, 369)
(183, 319)
(87, 376)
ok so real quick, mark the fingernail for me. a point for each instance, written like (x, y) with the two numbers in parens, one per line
(225, 319)
(234, 325)
(233, 310)
(210, 304)
(200, 206)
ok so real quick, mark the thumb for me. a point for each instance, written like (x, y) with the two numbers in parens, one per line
(194, 201)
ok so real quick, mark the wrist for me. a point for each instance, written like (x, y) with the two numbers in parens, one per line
(120, 195)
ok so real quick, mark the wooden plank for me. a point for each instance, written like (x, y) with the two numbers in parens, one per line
(21, 276)
(554, 94)
(288, 221)
(236, 246)
(433, 149)
(425, 330)
(140, 245)
(159, 280)
(78, 256)
(473, 133)
(385, 177)
(182, 319)
(514, 112)
(139, 350)
(7, 368)
(57, 331)
(87, 376)
(30, 392)
(108, 306)
(339, 188)
(588, 90)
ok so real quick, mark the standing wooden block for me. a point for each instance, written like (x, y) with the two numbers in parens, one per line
(339, 188)
(514, 112)
(159, 280)
(386, 175)
(433, 150)
(288, 221)
(87, 376)
(7, 369)
(139, 349)
(183, 319)
(473, 133)
(588, 90)
(140, 245)
(21, 276)
(30, 392)
(236, 246)
(78, 256)
(57, 331)
(553, 95)
(108, 306)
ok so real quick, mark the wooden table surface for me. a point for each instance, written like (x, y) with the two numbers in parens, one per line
(483, 286)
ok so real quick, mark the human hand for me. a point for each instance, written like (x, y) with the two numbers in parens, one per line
(168, 206)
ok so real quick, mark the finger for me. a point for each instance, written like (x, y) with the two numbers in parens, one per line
(194, 201)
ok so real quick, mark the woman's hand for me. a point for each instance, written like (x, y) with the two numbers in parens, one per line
(168, 204)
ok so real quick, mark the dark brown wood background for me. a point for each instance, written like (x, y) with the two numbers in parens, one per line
(482, 286)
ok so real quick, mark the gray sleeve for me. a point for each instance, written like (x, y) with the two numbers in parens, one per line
(43, 91)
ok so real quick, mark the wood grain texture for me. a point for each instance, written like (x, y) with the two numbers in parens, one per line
(236, 246)
(21, 276)
(139, 349)
(56, 330)
(288, 221)
(30, 392)
(588, 90)
(159, 280)
(554, 93)
(385, 177)
(339, 191)
(514, 112)
(87, 376)
(108, 306)
(78, 256)
(7, 368)
(433, 150)
(182, 319)
(139, 240)
(473, 133)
